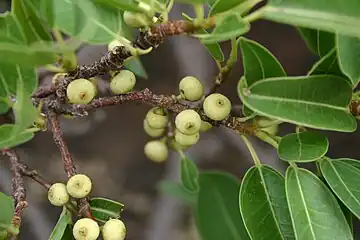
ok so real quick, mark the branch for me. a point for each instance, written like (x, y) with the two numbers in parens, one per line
(69, 165)
(18, 188)
(113, 60)
(148, 97)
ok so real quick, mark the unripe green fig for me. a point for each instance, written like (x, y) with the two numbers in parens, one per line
(188, 122)
(113, 44)
(217, 107)
(186, 140)
(123, 82)
(157, 118)
(156, 151)
(136, 20)
(79, 186)
(153, 132)
(57, 194)
(191, 88)
(177, 146)
(86, 229)
(114, 229)
(80, 91)
(267, 125)
(205, 126)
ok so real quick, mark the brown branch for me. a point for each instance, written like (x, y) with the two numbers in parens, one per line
(69, 165)
(113, 60)
(148, 97)
(18, 188)
(355, 107)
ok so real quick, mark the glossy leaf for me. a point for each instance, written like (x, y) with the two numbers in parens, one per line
(349, 57)
(342, 17)
(319, 42)
(85, 20)
(228, 27)
(33, 28)
(6, 210)
(327, 65)
(103, 209)
(178, 191)
(126, 5)
(8, 139)
(259, 63)
(319, 101)
(344, 180)
(223, 5)
(315, 213)
(263, 204)
(352, 162)
(303, 147)
(61, 225)
(189, 175)
(217, 212)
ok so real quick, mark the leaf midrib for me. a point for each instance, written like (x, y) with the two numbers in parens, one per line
(269, 202)
(289, 100)
(226, 214)
(304, 203)
(347, 189)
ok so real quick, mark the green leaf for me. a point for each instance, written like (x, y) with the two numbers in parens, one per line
(3, 235)
(228, 27)
(6, 210)
(178, 191)
(44, 10)
(191, 1)
(259, 63)
(263, 204)
(319, 42)
(103, 209)
(314, 211)
(126, 5)
(342, 17)
(8, 139)
(134, 64)
(327, 65)
(349, 57)
(223, 5)
(189, 175)
(217, 214)
(90, 22)
(33, 28)
(303, 147)
(14, 48)
(319, 101)
(213, 48)
(352, 162)
(10, 74)
(343, 180)
(61, 225)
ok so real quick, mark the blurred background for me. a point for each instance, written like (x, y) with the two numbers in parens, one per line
(108, 145)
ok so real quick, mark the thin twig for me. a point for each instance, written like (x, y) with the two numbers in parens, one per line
(113, 60)
(148, 97)
(69, 165)
(18, 188)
